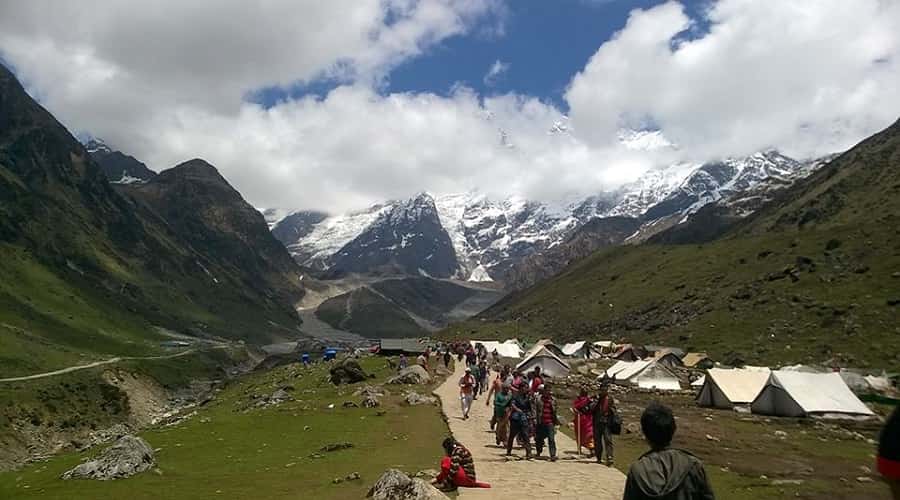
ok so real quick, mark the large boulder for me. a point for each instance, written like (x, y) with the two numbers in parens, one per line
(130, 455)
(347, 371)
(414, 374)
(395, 485)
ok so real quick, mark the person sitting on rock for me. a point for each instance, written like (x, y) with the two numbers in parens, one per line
(457, 468)
(664, 472)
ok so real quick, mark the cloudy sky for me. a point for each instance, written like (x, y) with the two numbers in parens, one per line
(335, 105)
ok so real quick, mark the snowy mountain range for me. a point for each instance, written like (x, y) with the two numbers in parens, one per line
(474, 237)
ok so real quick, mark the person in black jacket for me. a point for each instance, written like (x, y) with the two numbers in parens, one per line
(889, 453)
(603, 409)
(665, 473)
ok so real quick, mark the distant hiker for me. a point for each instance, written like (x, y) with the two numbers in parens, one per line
(403, 363)
(496, 385)
(547, 420)
(447, 358)
(422, 360)
(304, 358)
(583, 420)
(457, 468)
(470, 357)
(519, 421)
(889, 453)
(536, 379)
(663, 472)
(500, 418)
(466, 392)
(483, 374)
(603, 410)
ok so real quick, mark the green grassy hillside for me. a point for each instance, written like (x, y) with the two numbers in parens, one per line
(369, 314)
(87, 273)
(811, 277)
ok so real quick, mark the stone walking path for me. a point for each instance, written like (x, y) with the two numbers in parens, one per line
(568, 478)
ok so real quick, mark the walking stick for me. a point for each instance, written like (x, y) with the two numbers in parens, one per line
(577, 432)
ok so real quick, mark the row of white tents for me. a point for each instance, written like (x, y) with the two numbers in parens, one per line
(783, 393)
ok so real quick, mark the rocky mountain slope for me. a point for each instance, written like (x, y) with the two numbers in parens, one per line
(118, 167)
(403, 307)
(504, 239)
(809, 276)
(91, 272)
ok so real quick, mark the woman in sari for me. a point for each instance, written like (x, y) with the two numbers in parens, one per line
(584, 425)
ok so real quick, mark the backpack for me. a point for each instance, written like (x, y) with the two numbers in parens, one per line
(615, 424)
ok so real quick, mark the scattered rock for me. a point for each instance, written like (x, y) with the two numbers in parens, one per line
(632, 428)
(427, 474)
(395, 485)
(350, 404)
(783, 482)
(414, 374)
(863, 479)
(354, 476)
(781, 434)
(130, 455)
(370, 402)
(347, 371)
(442, 371)
(712, 438)
(335, 447)
(414, 398)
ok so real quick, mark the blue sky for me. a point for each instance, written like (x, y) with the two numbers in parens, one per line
(543, 44)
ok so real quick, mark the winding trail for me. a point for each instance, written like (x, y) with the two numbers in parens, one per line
(569, 478)
(98, 363)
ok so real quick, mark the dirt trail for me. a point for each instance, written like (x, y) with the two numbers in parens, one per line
(98, 363)
(569, 478)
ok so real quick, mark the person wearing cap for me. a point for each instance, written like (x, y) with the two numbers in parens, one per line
(889, 453)
(547, 421)
(603, 408)
(466, 392)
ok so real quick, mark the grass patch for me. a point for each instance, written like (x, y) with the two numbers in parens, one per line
(231, 451)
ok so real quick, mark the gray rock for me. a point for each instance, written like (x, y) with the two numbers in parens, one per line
(395, 485)
(347, 371)
(129, 455)
(414, 398)
(414, 374)
(370, 402)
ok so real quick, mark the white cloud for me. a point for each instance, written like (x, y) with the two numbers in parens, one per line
(165, 81)
(809, 77)
(495, 72)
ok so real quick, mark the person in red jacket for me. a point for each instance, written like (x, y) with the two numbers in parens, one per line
(889, 453)
(457, 468)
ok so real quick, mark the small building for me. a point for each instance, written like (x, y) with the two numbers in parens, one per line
(804, 394)
(604, 347)
(653, 350)
(551, 364)
(646, 374)
(393, 347)
(698, 360)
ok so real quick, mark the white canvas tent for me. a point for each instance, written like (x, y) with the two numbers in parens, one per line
(541, 344)
(551, 364)
(646, 374)
(507, 349)
(800, 394)
(580, 350)
(727, 388)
